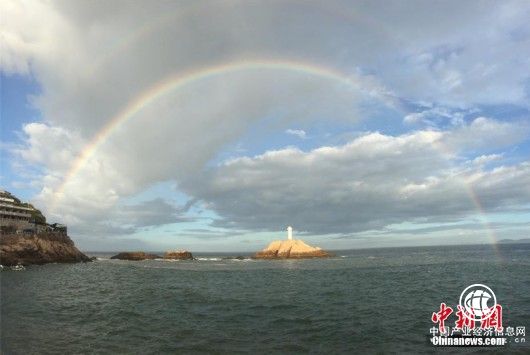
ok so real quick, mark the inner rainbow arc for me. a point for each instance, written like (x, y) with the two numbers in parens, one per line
(180, 80)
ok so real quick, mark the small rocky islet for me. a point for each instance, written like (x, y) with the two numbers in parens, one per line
(135, 256)
(178, 255)
(140, 255)
(291, 249)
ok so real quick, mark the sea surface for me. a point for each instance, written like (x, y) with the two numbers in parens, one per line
(362, 301)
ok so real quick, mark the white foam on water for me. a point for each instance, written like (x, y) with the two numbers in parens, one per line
(209, 259)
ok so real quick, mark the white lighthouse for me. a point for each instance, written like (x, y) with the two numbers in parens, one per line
(290, 233)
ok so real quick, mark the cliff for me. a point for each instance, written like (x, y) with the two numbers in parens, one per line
(135, 256)
(178, 255)
(291, 249)
(39, 249)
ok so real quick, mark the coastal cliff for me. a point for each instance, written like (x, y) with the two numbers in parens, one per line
(39, 248)
(290, 249)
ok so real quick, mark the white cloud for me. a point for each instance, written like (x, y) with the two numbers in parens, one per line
(372, 182)
(174, 146)
(86, 76)
(93, 58)
(435, 116)
(300, 133)
(487, 133)
(52, 147)
(486, 159)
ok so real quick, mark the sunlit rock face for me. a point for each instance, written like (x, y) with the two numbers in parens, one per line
(39, 249)
(178, 255)
(291, 249)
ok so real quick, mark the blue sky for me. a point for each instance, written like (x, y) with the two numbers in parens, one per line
(17, 111)
(429, 145)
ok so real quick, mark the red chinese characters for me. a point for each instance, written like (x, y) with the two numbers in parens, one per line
(495, 320)
(441, 316)
(463, 320)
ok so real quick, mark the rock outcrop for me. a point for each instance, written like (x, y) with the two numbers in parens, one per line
(290, 249)
(135, 256)
(39, 249)
(178, 255)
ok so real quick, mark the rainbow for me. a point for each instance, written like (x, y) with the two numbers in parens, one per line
(180, 80)
(475, 200)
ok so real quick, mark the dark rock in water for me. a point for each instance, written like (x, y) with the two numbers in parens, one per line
(239, 257)
(39, 249)
(135, 256)
(178, 255)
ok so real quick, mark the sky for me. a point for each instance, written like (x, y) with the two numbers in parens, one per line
(213, 125)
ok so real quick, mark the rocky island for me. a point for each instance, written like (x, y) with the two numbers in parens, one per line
(291, 249)
(135, 256)
(26, 238)
(178, 255)
(140, 255)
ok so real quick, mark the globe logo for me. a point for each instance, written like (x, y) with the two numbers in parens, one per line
(478, 302)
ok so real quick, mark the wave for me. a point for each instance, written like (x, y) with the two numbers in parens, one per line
(242, 260)
(208, 259)
(167, 260)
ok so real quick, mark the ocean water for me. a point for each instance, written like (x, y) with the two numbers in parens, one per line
(362, 301)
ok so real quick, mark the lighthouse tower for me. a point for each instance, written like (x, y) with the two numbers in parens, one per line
(290, 233)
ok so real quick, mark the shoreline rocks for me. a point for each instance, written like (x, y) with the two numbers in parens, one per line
(39, 249)
(178, 255)
(135, 256)
(291, 249)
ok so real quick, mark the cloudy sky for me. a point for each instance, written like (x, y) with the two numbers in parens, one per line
(212, 125)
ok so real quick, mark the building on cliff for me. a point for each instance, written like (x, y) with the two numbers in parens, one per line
(23, 218)
(14, 214)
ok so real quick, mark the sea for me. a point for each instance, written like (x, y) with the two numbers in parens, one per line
(359, 302)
